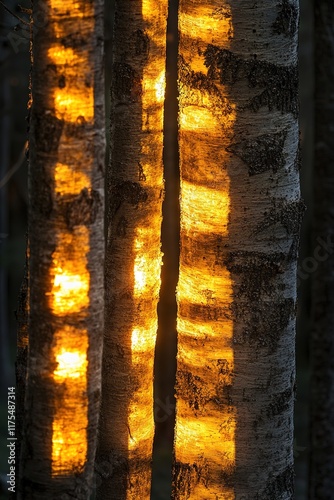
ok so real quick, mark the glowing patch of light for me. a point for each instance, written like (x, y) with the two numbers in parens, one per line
(70, 292)
(207, 24)
(147, 263)
(70, 105)
(70, 364)
(204, 209)
(68, 181)
(69, 275)
(70, 420)
(143, 338)
(198, 119)
(160, 87)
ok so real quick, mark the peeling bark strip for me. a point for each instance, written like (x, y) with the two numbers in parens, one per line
(240, 218)
(322, 343)
(133, 254)
(66, 253)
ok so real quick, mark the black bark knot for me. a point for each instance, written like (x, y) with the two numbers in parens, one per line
(126, 82)
(48, 130)
(126, 191)
(286, 22)
(142, 43)
(262, 153)
(82, 209)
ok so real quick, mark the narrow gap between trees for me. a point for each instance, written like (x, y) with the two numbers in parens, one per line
(165, 353)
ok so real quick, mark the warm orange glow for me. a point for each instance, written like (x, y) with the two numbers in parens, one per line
(70, 364)
(198, 119)
(70, 284)
(74, 104)
(141, 424)
(143, 338)
(75, 99)
(207, 24)
(68, 181)
(210, 438)
(60, 55)
(147, 261)
(214, 430)
(71, 100)
(211, 329)
(78, 9)
(204, 209)
(205, 432)
(159, 87)
(210, 25)
(198, 286)
(69, 427)
(70, 292)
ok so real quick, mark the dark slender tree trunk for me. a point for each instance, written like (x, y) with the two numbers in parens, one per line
(66, 245)
(240, 220)
(322, 341)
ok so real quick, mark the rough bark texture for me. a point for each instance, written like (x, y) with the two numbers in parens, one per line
(22, 357)
(322, 341)
(133, 253)
(66, 251)
(240, 219)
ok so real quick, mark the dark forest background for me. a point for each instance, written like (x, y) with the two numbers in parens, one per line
(14, 95)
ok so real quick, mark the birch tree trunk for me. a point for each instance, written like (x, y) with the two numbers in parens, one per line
(66, 251)
(133, 253)
(322, 342)
(240, 220)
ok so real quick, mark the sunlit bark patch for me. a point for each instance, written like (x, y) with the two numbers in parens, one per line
(74, 95)
(70, 277)
(147, 266)
(205, 417)
(147, 261)
(204, 209)
(69, 181)
(70, 420)
(143, 338)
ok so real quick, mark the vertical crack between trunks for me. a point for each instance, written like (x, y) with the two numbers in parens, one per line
(165, 353)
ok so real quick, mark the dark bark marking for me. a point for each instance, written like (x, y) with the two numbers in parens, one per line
(258, 270)
(127, 191)
(44, 203)
(186, 477)
(189, 387)
(280, 403)
(142, 43)
(199, 312)
(74, 40)
(282, 484)
(202, 82)
(280, 83)
(48, 130)
(286, 22)
(122, 227)
(62, 82)
(290, 215)
(82, 209)
(126, 82)
(141, 173)
(262, 153)
(266, 322)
